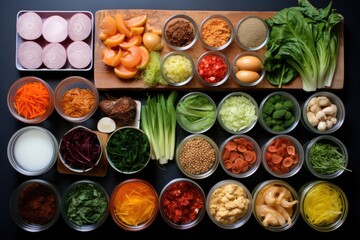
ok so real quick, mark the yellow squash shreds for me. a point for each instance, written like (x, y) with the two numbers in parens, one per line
(77, 102)
(134, 203)
(323, 204)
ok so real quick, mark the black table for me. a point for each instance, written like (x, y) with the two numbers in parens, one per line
(10, 179)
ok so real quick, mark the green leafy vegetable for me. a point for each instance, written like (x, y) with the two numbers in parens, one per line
(303, 40)
(85, 204)
(196, 112)
(326, 158)
(152, 76)
(158, 121)
(128, 149)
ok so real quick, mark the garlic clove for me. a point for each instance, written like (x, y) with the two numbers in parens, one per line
(106, 125)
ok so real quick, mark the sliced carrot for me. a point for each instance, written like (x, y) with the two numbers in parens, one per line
(230, 146)
(225, 154)
(276, 158)
(228, 164)
(241, 148)
(272, 149)
(287, 162)
(281, 151)
(234, 155)
(291, 150)
(268, 156)
(240, 140)
(248, 156)
(295, 159)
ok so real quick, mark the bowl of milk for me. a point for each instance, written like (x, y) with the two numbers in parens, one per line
(32, 150)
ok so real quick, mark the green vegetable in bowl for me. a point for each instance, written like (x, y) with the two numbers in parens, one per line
(303, 40)
(196, 113)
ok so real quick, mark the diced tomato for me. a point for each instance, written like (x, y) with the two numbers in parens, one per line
(212, 68)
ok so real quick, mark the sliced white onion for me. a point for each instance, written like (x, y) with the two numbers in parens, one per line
(106, 125)
(79, 54)
(29, 55)
(54, 29)
(79, 27)
(54, 56)
(29, 25)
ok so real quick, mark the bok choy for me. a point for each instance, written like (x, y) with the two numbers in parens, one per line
(303, 40)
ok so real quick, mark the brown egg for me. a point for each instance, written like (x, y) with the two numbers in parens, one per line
(247, 76)
(250, 63)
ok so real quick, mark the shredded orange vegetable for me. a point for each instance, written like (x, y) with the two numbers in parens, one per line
(77, 102)
(32, 100)
(134, 203)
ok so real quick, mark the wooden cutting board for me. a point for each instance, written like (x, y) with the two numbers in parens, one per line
(105, 79)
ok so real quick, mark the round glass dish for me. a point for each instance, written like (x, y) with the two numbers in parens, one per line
(32, 150)
(76, 99)
(271, 197)
(323, 113)
(170, 203)
(326, 157)
(252, 33)
(85, 205)
(216, 32)
(228, 204)
(279, 112)
(35, 205)
(197, 156)
(237, 113)
(248, 69)
(128, 150)
(212, 68)
(240, 156)
(177, 68)
(34, 93)
(80, 149)
(180, 32)
(191, 120)
(322, 198)
(134, 204)
(282, 156)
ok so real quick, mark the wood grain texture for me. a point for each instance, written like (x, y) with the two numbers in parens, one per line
(105, 79)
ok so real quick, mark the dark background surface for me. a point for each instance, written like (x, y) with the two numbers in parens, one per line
(158, 177)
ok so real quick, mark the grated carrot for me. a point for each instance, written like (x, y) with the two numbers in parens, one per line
(32, 100)
(134, 203)
(77, 102)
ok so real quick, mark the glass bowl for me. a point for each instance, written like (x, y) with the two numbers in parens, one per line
(171, 203)
(248, 69)
(216, 32)
(35, 205)
(134, 204)
(326, 157)
(80, 149)
(275, 197)
(197, 156)
(323, 113)
(128, 150)
(282, 156)
(228, 204)
(32, 150)
(240, 156)
(237, 113)
(34, 93)
(196, 112)
(180, 32)
(76, 99)
(212, 68)
(322, 198)
(177, 68)
(279, 112)
(85, 205)
(252, 33)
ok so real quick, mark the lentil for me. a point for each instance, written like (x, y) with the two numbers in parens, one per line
(180, 33)
(197, 156)
(252, 32)
(216, 32)
(37, 204)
